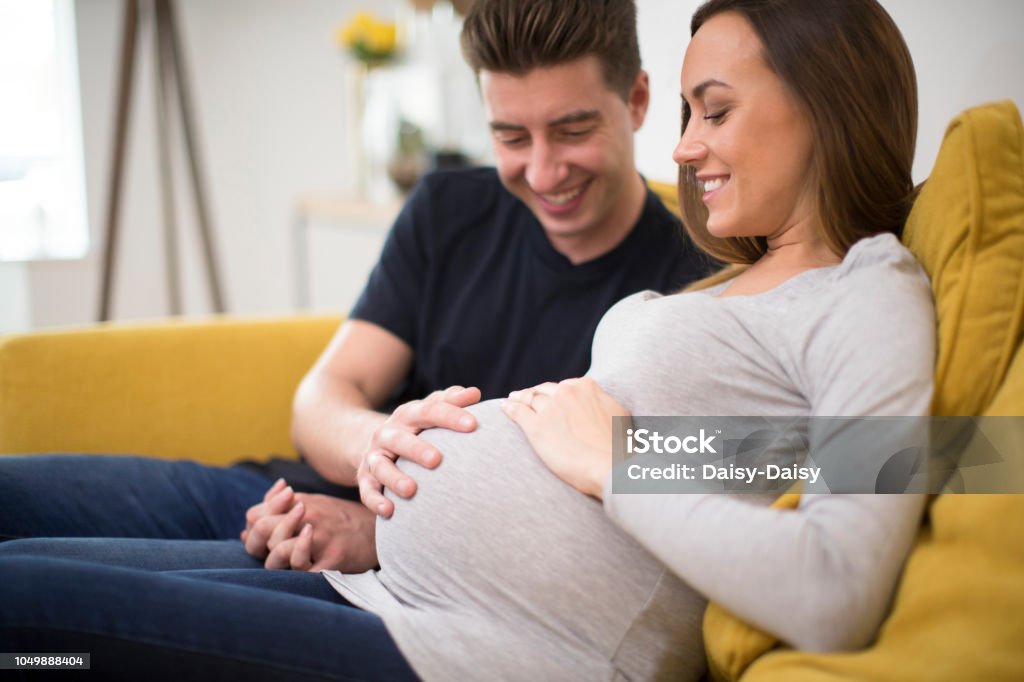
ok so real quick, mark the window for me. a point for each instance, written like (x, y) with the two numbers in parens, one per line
(42, 181)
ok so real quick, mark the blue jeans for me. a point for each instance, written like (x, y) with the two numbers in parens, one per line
(141, 553)
(195, 625)
(106, 496)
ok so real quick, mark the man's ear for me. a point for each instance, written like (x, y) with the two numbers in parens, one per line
(639, 99)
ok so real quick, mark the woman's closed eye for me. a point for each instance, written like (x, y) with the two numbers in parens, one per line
(716, 117)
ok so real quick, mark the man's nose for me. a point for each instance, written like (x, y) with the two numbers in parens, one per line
(546, 170)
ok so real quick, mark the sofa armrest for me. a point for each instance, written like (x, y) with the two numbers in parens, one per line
(216, 390)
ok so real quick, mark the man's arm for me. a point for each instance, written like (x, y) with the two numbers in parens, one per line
(333, 413)
(335, 426)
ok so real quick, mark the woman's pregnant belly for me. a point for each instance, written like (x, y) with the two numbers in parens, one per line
(491, 530)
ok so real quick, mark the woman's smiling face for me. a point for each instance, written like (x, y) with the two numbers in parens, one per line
(748, 141)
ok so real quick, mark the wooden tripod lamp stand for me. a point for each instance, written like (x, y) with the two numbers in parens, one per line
(171, 83)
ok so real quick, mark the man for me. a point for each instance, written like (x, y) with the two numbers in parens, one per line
(490, 279)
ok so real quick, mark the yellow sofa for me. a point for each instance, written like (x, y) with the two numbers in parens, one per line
(217, 391)
(221, 390)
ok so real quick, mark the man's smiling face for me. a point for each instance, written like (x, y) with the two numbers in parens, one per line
(564, 146)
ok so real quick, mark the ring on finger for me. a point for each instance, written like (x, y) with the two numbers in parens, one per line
(535, 399)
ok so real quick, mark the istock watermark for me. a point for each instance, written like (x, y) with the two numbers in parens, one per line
(866, 455)
(642, 441)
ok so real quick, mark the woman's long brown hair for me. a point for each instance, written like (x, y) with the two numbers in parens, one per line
(847, 65)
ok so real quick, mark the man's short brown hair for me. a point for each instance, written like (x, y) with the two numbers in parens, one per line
(517, 36)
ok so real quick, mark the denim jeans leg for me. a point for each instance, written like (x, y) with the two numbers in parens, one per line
(154, 626)
(299, 583)
(141, 553)
(120, 496)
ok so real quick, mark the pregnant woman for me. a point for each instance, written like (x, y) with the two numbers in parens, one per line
(799, 121)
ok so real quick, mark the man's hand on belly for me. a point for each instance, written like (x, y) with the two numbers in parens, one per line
(398, 437)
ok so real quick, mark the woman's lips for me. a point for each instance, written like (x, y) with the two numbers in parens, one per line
(712, 185)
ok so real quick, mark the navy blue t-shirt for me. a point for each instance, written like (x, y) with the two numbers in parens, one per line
(469, 280)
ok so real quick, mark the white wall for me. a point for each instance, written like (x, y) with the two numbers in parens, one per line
(14, 314)
(267, 80)
(966, 53)
(268, 84)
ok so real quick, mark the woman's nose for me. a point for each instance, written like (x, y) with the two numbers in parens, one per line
(689, 151)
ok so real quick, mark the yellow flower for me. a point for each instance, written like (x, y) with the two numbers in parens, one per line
(346, 36)
(368, 37)
(381, 38)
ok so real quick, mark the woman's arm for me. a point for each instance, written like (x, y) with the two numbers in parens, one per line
(820, 579)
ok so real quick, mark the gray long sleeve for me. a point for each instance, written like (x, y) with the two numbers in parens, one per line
(498, 569)
(820, 578)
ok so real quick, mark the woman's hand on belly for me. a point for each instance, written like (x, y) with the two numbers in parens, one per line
(398, 437)
(569, 426)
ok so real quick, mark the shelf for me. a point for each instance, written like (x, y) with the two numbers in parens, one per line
(341, 212)
(345, 210)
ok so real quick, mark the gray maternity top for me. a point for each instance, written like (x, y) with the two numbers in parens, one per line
(498, 570)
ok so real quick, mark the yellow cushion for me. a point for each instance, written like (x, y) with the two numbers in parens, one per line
(217, 390)
(967, 229)
(668, 193)
(957, 613)
(957, 609)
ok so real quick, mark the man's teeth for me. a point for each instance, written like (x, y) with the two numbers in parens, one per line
(712, 185)
(563, 198)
